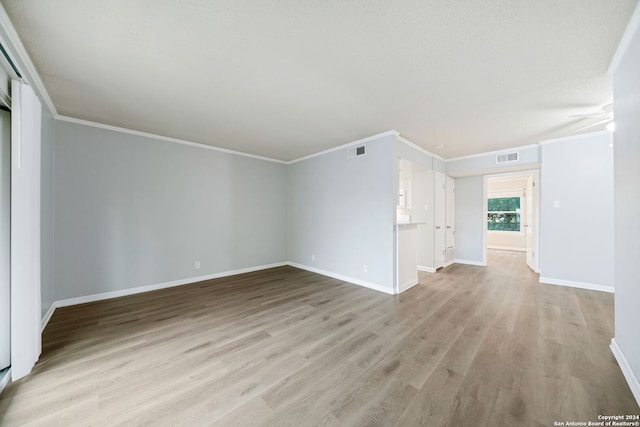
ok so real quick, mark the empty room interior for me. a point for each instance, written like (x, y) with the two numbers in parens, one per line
(336, 213)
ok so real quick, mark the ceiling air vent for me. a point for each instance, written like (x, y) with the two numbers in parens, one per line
(354, 152)
(507, 157)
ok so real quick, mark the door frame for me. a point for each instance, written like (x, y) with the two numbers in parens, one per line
(5, 251)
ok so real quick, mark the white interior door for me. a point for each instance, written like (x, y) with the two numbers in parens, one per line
(529, 224)
(439, 220)
(449, 219)
(5, 242)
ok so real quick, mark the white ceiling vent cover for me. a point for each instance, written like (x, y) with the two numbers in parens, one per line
(508, 157)
(354, 152)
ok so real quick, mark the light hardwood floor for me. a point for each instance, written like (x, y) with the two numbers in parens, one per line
(284, 347)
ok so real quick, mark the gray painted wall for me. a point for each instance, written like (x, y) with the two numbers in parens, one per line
(405, 151)
(46, 210)
(439, 165)
(486, 163)
(343, 212)
(576, 238)
(133, 211)
(469, 209)
(626, 94)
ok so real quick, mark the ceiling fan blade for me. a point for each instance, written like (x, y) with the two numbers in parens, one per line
(594, 115)
(604, 112)
(601, 122)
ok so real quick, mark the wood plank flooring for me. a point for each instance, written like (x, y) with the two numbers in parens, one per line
(285, 347)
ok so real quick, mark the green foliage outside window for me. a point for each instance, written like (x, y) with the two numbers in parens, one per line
(503, 214)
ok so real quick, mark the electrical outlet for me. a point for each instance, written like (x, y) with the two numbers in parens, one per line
(365, 268)
(197, 265)
(313, 257)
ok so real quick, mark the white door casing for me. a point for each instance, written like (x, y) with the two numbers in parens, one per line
(439, 220)
(5, 239)
(529, 225)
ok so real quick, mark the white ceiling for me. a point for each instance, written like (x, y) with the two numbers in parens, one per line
(288, 78)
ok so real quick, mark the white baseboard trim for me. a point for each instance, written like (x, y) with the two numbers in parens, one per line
(4, 379)
(426, 269)
(627, 371)
(157, 286)
(148, 288)
(571, 284)
(355, 281)
(408, 285)
(507, 248)
(47, 315)
(468, 262)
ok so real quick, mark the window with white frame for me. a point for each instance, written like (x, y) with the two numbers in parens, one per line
(503, 212)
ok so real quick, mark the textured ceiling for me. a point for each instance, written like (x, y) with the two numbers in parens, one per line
(287, 78)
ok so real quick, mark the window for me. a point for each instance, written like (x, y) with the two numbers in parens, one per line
(503, 214)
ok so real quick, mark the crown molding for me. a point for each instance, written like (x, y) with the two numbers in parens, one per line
(625, 41)
(163, 138)
(349, 144)
(14, 45)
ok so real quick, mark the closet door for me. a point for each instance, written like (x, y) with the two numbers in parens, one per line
(25, 229)
(450, 220)
(439, 220)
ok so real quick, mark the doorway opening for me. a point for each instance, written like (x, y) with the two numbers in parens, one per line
(511, 218)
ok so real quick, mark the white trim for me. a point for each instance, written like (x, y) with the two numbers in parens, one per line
(426, 269)
(154, 287)
(486, 153)
(348, 279)
(31, 74)
(625, 41)
(574, 137)
(485, 215)
(408, 285)
(349, 144)
(164, 285)
(47, 315)
(163, 138)
(419, 148)
(627, 371)
(469, 262)
(505, 248)
(572, 284)
(4, 379)
(509, 176)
